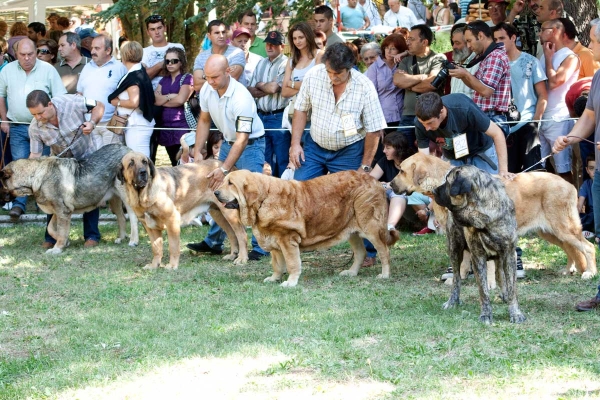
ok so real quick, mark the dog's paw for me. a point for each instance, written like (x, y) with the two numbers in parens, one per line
(383, 276)
(490, 285)
(133, 243)
(150, 266)
(448, 282)
(587, 275)
(485, 319)
(118, 240)
(230, 257)
(288, 284)
(240, 261)
(54, 251)
(272, 279)
(171, 266)
(517, 318)
(449, 304)
(348, 272)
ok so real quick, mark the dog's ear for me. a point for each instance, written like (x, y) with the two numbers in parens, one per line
(121, 175)
(460, 185)
(418, 175)
(152, 168)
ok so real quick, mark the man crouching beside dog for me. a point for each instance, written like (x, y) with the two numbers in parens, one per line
(57, 124)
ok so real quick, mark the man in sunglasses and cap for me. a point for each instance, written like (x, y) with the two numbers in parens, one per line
(154, 55)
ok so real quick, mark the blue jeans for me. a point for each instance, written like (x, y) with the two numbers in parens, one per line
(90, 226)
(480, 162)
(596, 200)
(277, 142)
(409, 120)
(252, 159)
(500, 120)
(319, 161)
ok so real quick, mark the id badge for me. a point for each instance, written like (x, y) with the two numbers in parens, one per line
(461, 147)
(348, 125)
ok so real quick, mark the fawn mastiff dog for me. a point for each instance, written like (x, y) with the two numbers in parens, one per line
(482, 220)
(168, 197)
(544, 203)
(65, 186)
(288, 217)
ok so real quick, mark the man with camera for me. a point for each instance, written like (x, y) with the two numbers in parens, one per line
(491, 82)
(415, 74)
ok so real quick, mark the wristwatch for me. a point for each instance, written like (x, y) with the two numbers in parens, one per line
(93, 124)
(293, 84)
(224, 171)
(366, 168)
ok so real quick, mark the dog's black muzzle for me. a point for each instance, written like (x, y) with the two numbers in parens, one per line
(440, 196)
(230, 204)
(141, 178)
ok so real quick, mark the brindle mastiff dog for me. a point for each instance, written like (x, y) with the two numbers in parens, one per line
(64, 186)
(481, 220)
(168, 197)
(544, 203)
(288, 217)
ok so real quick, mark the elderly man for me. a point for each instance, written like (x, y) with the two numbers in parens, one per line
(57, 123)
(399, 16)
(589, 123)
(72, 63)
(497, 10)
(346, 121)
(98, 79)
(228, 104)
(16, 80)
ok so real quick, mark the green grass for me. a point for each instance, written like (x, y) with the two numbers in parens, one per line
(91, 324)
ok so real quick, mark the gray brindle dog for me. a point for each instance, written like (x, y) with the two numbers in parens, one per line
(481, 220)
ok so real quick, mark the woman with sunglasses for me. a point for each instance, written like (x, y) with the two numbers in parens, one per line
(47, 50)
(134, 97)
(173, 90)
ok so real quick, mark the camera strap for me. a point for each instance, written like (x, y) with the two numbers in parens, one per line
(415, 66)
(486, 53)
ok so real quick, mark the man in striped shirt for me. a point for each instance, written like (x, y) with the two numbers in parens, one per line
(265, 87)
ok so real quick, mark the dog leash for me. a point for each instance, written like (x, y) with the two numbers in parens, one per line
(551, 154)
(79, 131)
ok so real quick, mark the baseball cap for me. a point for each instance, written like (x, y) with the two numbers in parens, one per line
(89, 32)
(240, 31)
(274, 37)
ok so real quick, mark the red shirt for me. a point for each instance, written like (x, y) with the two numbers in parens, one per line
(494, 72)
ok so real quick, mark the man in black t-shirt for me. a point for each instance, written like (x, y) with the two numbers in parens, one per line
(465, 133)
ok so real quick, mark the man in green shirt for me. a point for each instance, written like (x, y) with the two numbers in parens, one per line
(248, 20)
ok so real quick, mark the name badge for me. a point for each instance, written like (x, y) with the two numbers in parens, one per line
(348, 125)
(461, 147)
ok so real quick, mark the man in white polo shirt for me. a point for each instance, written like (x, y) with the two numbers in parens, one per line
(231, 107)
(98, 79)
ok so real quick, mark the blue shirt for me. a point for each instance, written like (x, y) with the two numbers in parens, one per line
(525, 72)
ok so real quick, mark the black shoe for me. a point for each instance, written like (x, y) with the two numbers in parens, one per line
(202, 247)
(15, 213)
(255, 255)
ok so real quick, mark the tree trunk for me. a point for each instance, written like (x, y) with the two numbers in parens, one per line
(582, 12)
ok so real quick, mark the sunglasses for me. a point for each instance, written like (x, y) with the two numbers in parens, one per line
(43, 51)
(154, 18)
(173, 61)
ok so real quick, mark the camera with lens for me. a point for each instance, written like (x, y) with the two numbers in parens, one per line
(439, 80)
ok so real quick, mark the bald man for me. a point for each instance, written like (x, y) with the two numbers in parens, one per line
(231, 107)
(17, 79)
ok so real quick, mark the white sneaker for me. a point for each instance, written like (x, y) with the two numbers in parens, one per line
(8, 206)
(588, 235)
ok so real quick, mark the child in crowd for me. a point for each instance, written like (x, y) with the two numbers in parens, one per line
(585, 203)
(212, 149)
(395, 150)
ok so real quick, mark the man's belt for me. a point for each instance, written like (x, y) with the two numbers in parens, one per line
(271, 112)
(250, 141)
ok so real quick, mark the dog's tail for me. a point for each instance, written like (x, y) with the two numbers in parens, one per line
(392, 237)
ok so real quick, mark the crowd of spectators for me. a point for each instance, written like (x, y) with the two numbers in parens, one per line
(319, 103)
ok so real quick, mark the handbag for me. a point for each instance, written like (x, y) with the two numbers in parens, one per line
(191, 108)
(118, 122)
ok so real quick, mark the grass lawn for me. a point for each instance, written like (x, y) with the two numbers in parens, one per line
(91, 324)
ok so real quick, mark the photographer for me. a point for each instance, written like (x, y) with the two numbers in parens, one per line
(491, 82)
(415, 73)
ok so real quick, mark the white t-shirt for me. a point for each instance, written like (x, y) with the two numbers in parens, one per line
(153, 55)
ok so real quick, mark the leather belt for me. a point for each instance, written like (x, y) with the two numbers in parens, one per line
(271, 112)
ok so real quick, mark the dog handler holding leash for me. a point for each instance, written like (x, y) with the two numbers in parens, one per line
(60, 123)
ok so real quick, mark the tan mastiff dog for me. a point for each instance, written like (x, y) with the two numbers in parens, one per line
(288, 217)
(168, 197)
(544, 203)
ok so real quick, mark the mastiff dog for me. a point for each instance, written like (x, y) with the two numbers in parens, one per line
(544, 203)
(166, 198)
(64, 186)
(482, 220)
(288, 217)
